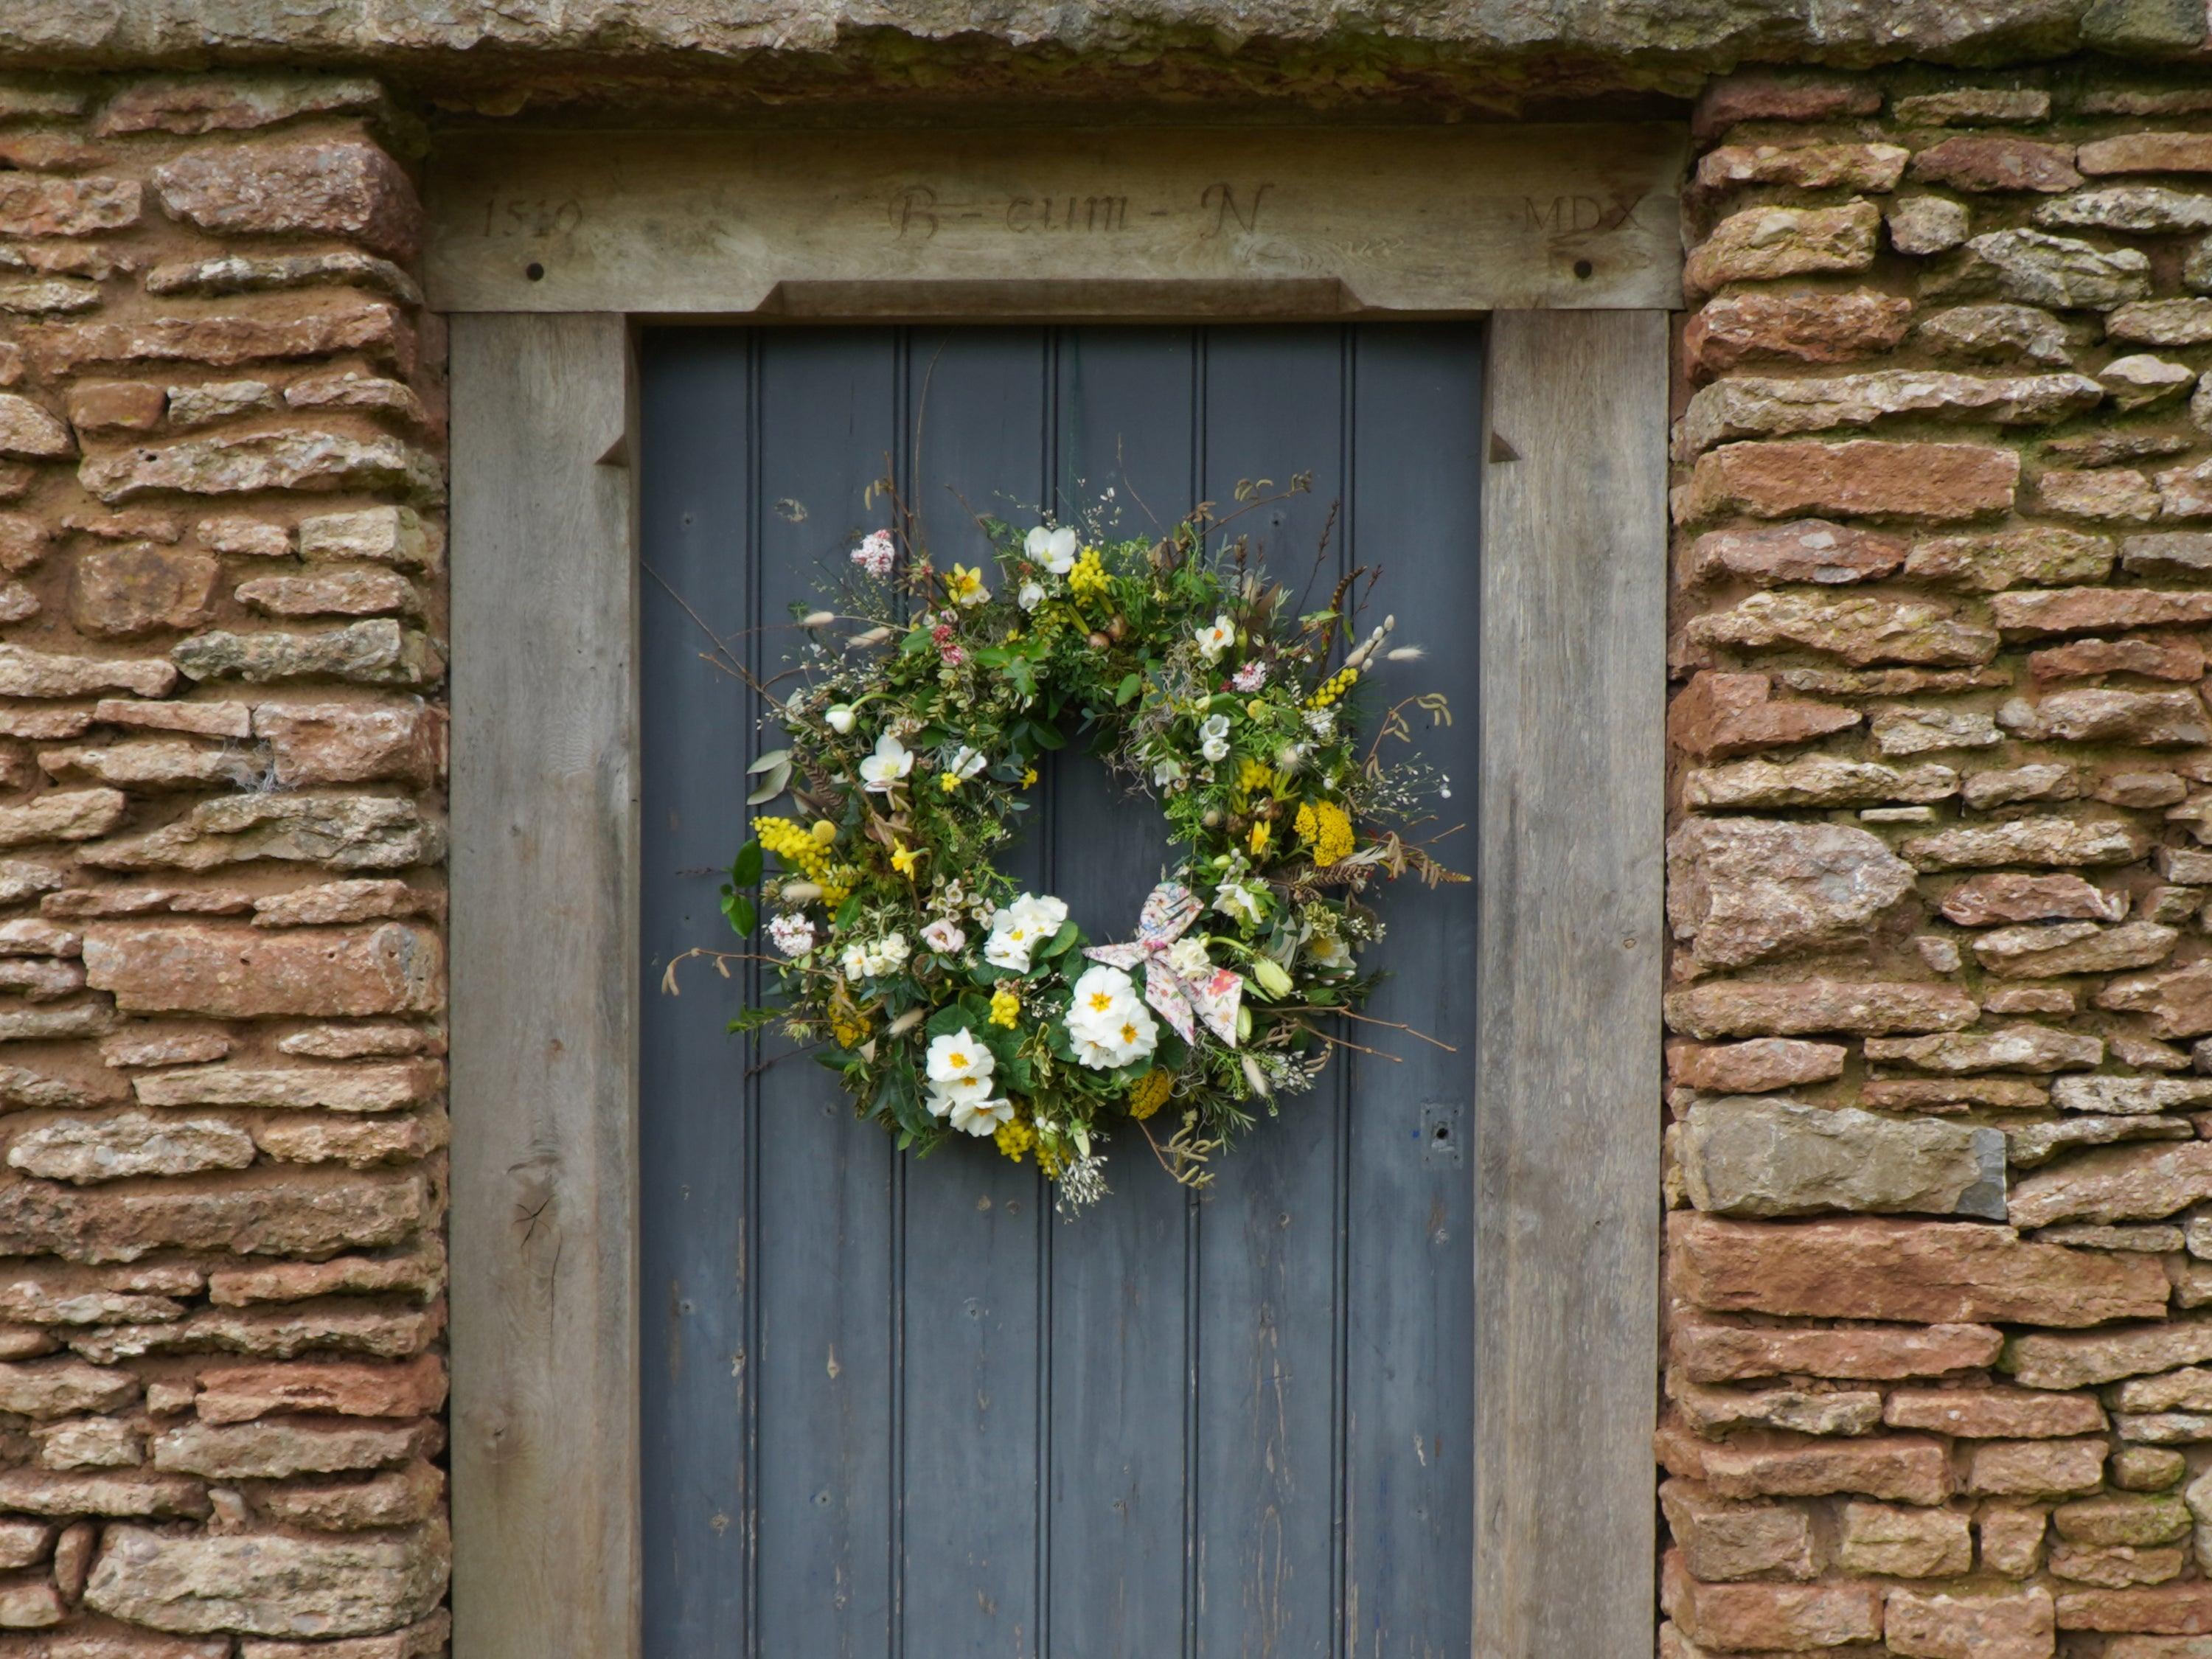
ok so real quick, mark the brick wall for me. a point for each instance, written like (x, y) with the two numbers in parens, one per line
(1939, 1367)
(221, 971)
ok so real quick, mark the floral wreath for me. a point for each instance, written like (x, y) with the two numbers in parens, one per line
(953, 1004)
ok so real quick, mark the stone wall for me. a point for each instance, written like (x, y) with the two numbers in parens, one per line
(1939, 1366)
(221, 971)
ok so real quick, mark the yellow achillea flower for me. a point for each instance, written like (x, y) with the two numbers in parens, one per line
(1089, 575)
(1333, 688)
(1006, 1006)
(1149, 1093)
(1014, 1138)
(1327, 829)
(1261, 835)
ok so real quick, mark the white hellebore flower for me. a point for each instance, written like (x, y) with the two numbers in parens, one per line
(1020, 927)
(1052, 548)
(1212, 641)
(793, 935)
(884, 768)
(1240, 902)
(840, 717)
(1329, 953)
(1108, 1023)
(1212, 738)
(1030, 597)
(965, 763)
(944, 936)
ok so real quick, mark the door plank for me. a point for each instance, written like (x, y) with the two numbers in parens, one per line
(826, 1228)
(1567, 1209)
(1408, 1298)
(695, 1116)
(1122, 419)
(1270, 1352)
(545, 962)
(973, 1403)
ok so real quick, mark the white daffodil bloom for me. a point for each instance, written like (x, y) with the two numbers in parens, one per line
(891, 762)
(944, 936)
(981, 1117)
(840, 717)
(1212, 641)
(1212, 738)
(1030, 597)
(1055, 549)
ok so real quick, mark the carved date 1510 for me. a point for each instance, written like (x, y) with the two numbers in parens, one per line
(920, 211)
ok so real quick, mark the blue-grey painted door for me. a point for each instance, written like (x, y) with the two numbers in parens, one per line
(901, 1410)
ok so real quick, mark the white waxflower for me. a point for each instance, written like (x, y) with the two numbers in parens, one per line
(793, 935)
(840, 717)
(1052, 548)
(944, 936)
(1212, 641)
(956, 1059)
(890, 763)
(1212, 738)
(1030, 597)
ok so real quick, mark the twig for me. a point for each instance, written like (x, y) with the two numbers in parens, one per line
(1346, 1042)
(1369, 1019)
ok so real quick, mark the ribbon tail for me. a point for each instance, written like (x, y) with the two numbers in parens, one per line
(1164, 991)
(1115, 956)
(1216, 1003)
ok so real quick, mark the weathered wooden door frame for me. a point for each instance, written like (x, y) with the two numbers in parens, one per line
(545, 962)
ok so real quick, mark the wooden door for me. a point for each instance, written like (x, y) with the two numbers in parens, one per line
(899, 1409)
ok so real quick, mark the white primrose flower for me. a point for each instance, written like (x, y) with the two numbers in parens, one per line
(840, 717)
(875, 554)
(1030, 597)
(980, 1117)
(1240, 902)
(1212, 641)
(956, 1059)
(1107, 1022)
(1212, 738)
(1055, 549)
(944, 936)
(792, 934)
(890, 763)
(1018, 928)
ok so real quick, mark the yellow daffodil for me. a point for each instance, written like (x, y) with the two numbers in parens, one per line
(905, 860)
(1261, 835)
(965, 586)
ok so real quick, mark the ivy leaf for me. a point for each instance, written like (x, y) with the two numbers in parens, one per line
(746, 871)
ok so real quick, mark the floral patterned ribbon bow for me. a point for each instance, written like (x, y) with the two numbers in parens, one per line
(1213, 995)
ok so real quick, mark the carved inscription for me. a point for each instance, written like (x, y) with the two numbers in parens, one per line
(918, 212)
(1581, 215)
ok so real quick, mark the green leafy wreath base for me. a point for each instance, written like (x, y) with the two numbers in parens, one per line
(1197, 682)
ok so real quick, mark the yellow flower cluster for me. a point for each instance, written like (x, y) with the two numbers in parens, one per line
(847, 1024)
(1333, 688)
(1049, 1163)
(1014, 1138)
(1089, 576)
(1251, 775)
(1327, 828)
(1006, 1006)
(1149, 1093)
(807, 851)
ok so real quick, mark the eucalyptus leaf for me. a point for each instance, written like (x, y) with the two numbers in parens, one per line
(771, 761)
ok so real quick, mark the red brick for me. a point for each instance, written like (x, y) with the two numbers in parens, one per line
(1735, 1617)
(316, 187)
(1756, 96)
(1994, 1413)
(1729, 1351)
(2161, 1610)
(1719, 715)
(1805, 328)
(243, 972)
